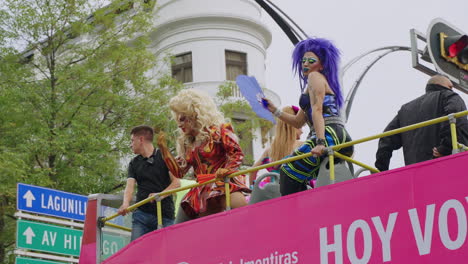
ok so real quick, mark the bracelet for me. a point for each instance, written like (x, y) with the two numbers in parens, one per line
(321, 141)
(277, 112)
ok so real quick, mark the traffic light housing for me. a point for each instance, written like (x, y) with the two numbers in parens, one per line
(455, 49)
(448, 51)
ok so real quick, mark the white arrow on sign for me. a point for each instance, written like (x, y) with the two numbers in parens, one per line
(29, 198)
(29, 235)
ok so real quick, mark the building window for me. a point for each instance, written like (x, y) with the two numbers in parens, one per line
(182, 67)
(243, 129)
(236, 64)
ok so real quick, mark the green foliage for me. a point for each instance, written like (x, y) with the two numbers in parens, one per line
(71, 88)
(245, 121)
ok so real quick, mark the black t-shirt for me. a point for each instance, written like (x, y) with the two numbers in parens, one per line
(152, 176)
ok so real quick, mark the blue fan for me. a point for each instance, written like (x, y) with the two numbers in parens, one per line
(251, 90)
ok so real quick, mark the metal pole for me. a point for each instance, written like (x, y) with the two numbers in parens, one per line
(227, 187)
(159, 212)
(331, 163)
(287, 29)
(453, 132)
(289, 19)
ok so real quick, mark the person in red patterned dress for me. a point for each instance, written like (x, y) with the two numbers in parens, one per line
(208, 145)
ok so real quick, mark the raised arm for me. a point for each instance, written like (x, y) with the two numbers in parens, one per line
(233, 150)
(174, 167)
(298, 120)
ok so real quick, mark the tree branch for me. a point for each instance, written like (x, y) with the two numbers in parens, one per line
(38, 161)
(78, 108)
(41, 70)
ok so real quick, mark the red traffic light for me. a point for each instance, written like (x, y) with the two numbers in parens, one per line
(448, 50)
(456, 48)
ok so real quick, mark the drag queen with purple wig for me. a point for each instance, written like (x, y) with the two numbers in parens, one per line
(315, 60)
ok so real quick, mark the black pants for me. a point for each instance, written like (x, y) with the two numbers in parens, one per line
(289, 185)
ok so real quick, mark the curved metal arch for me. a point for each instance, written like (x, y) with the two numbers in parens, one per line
(356, 59)
(352, 92)
(304, 35)
(285, 25)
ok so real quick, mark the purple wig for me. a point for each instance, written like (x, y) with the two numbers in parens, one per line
(329, 56)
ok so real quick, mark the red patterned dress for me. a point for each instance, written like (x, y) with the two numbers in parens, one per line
(220, 150)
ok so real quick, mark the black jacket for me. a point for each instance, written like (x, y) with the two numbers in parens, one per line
(417, 144)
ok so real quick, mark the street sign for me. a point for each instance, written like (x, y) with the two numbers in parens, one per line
(61, 240)
(51, 202)
(21, 260)
(112, 244)
(48, 238)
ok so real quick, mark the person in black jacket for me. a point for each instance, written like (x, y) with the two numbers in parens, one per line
(428, 142)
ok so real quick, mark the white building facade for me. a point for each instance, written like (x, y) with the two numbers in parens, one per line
(212, 42)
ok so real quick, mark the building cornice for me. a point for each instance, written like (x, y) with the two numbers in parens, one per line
(216, 21)
(164, 3)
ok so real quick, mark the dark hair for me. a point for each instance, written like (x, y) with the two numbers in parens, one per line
(145, 131)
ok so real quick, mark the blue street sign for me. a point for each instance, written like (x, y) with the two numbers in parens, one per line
(51, 202)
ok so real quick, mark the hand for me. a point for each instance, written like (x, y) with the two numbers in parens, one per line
(123, 209)
(221, 173)
(317, 151)
(271, 107)
(151, 195)
(161, 140)
(435, 153)
(179, 159)
(252, 177)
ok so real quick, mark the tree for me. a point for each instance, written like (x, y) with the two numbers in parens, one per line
(74, 78)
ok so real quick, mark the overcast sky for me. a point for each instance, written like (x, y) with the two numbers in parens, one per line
(357, 27)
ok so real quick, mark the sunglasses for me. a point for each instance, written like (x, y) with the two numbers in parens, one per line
(182, 119)
(310, 60)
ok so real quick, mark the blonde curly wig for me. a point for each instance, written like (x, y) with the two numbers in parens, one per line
(201, 108)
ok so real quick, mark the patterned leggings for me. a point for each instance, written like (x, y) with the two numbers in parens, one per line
(295, 175)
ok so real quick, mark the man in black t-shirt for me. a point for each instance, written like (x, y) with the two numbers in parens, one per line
(151, 175)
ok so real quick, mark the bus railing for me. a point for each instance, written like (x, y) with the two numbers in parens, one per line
(331, 151)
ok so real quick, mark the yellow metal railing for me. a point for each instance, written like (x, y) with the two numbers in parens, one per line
(462, 147)
(331, 151)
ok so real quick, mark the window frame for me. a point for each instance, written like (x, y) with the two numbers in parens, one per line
(182, 67)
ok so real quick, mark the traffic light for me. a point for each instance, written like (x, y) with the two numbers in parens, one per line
(448, 51)
(455, 49)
